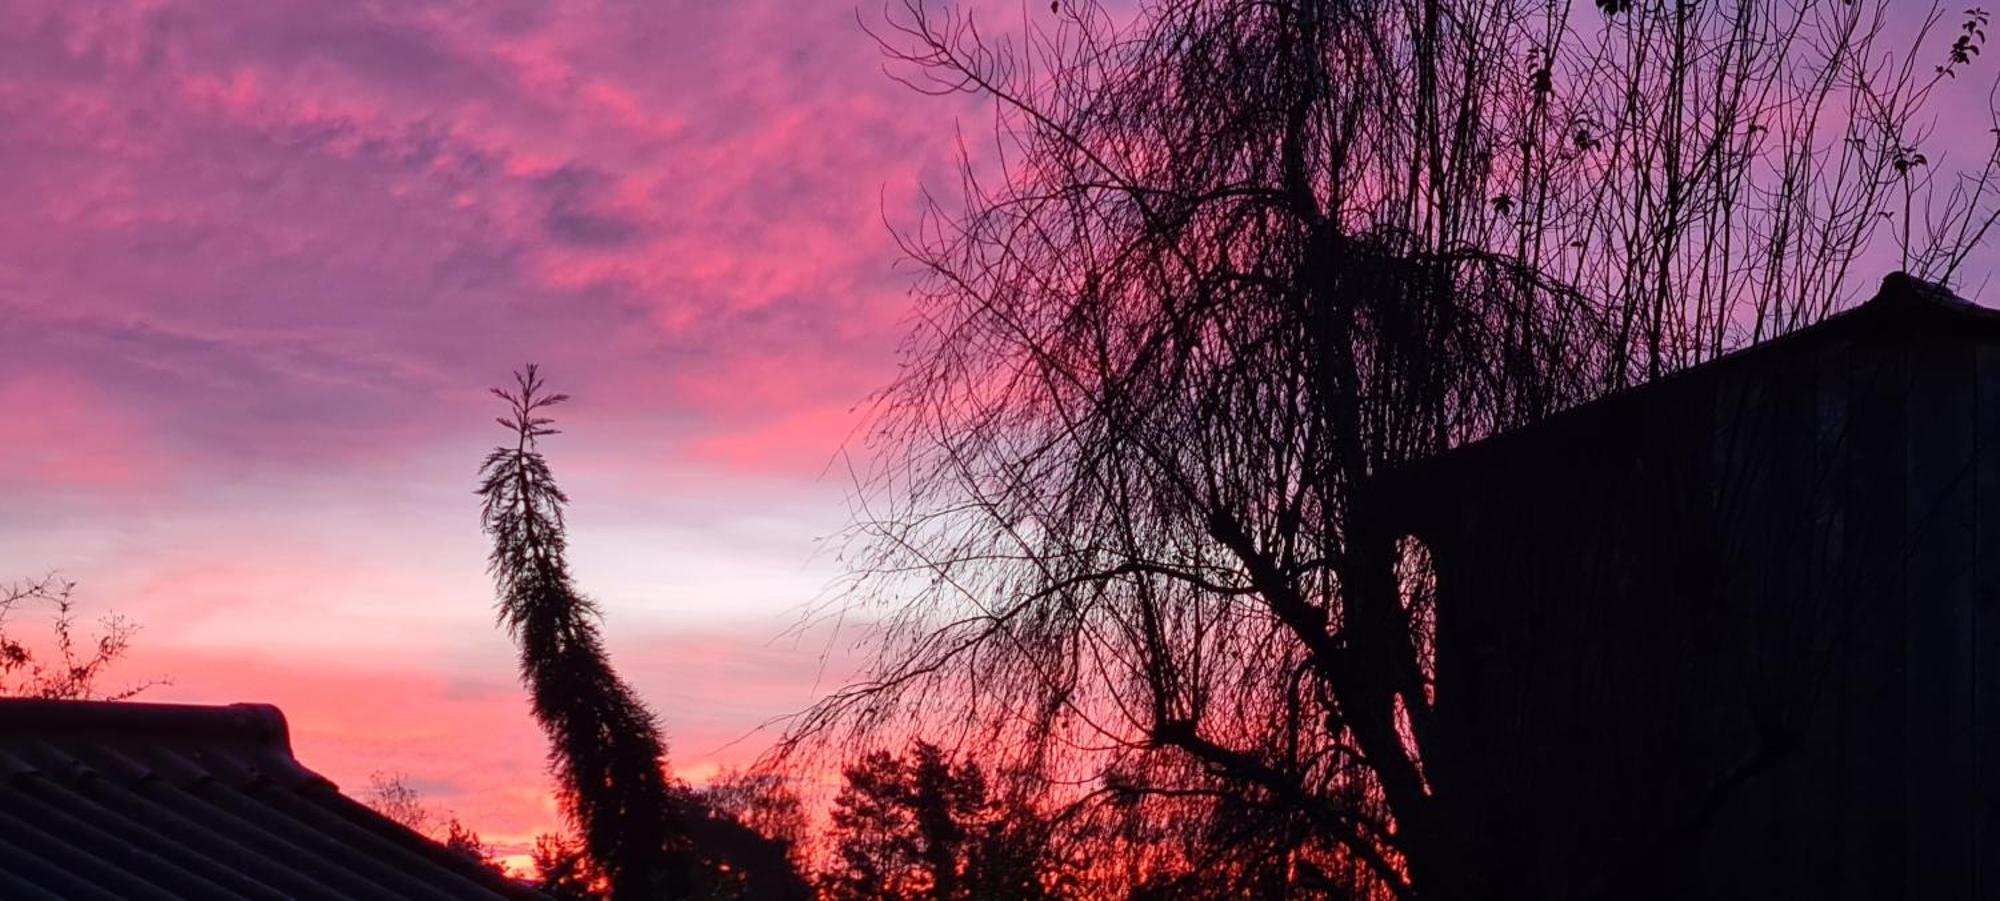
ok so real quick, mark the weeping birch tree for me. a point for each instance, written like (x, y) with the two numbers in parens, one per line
(1221, 262)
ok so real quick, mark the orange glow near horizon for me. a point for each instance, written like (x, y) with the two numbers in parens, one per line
(262, 261)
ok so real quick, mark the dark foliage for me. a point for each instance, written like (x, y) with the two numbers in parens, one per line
(762, 801)
(605, 746)
(563, 870)
(648, 835)
(460, 838)
(923, 826)
(758, 825)
(738, 861)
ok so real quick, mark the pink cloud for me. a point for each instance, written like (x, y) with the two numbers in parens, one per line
(414, 197)
(261, 261)
(795, 443)
(67, 434)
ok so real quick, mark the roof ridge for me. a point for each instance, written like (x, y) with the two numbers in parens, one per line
(1902, 298)
(1901, 287)
(258, 724)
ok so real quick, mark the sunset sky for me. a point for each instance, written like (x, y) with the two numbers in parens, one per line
(260, 261)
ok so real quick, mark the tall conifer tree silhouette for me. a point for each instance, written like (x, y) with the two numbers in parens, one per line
(604, 744)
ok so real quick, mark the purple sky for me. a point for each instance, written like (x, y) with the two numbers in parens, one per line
(262, 259)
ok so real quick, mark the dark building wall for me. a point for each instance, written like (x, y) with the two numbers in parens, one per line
(1734, 634)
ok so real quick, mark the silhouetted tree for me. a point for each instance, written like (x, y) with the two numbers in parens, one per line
(391, 795)
(64, 666)
(563, 871)
(738, 861)
(605, 746)
(922, 826)
(764, 803)
(1228, 261)
(648, 834)
(460, 838)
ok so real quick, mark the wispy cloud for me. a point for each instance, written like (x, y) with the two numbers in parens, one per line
(260, 261)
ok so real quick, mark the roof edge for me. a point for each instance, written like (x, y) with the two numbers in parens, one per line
(259, 724)
(1900, 287)
(1902, 296)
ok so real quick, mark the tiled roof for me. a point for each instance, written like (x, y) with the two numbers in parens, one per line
(124, 800)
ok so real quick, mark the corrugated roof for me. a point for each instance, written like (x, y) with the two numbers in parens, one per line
(126, 800)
